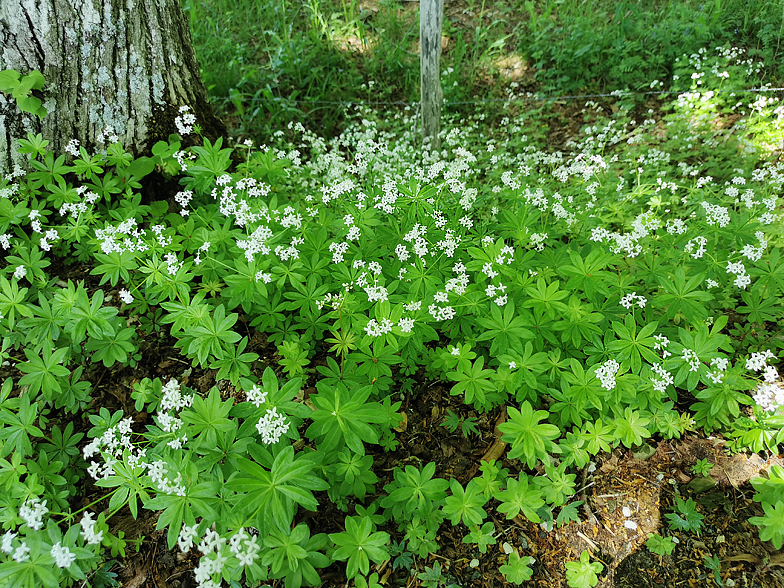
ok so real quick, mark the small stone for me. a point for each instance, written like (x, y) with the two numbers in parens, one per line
(644, 452)
(507, 548)
(627, 512)
(699, 485)
(474, 563)
(729, 582)
(720, 539)
(630, 525)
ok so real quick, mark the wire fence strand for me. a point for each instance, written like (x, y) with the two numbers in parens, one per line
(531, 98)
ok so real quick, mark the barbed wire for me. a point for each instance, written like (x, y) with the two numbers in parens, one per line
(531, 98)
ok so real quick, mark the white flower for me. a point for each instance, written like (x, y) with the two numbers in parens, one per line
(628, 301)
(257, 396)
(212, 542)
(690, 357)
(185, 121)
(33, 511)
(5, 544)
(73, 147)
(20, 272)
(250, 556)
(88, 529)
(21, 553)
(660, 385)
(272, 425)
(62, 555)
(125, 296)
(187, 535)
(606, 373)
(406, 324)
(757, 361)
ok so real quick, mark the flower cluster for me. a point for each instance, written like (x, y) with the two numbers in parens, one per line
(664, 378)
(241, 545)
(628, 301)
(89, 534)
(272, 426)
(691, 357)
(770, 393)
(32, 512)
(185, 121)
(606, 373)
(742, 279)
(718, 366)
(173, 400)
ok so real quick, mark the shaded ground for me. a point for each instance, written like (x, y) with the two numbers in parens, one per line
(646, 485)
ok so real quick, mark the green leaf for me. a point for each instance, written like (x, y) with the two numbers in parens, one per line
(519, 497)
(503, 329)
(473, 383)
(465, 505)
(414, 490)
(529, 438)
(271, 496)
(569, 513)
(631, 429)
(210, 338)
(199, 501)
(660, 545)
(687, 518)
(483, 536)
(359, 545)
(114, 267)
(12, 301)
(207, 418)
(44, 372)
(588, 274)
(682, 296)
(772, 523)
(19, 427)
(582, 574)
(342, 418)
(634, 346)
(546, 298)
(517, 570)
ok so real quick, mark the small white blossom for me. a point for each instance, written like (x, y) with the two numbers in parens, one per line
(185, 121)
(21, 553)
(62, 556)
(606, 373)
(186, 537)
(88, 529)
(6, 543)
(125, 296)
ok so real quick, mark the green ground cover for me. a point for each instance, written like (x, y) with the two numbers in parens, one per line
(605, 274)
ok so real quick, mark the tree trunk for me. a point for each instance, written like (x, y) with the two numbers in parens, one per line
(431, 16)
(124, 64)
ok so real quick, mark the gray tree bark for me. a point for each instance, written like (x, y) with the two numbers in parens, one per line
(124, 64)
(431, 16)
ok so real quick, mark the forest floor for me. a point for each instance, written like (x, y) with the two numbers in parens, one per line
(645, 481)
